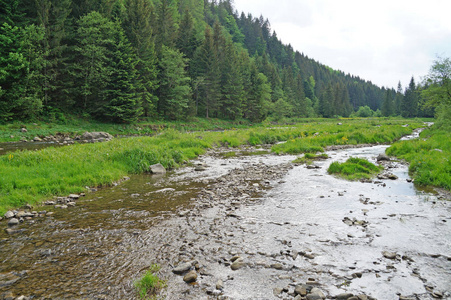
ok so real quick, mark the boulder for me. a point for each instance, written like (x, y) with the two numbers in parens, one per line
(157, 169)
(37, 139)
(90, 136)
(9, 214)
(392, 176)
(383, 157)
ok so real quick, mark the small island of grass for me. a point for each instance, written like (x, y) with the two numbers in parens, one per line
(354, 169)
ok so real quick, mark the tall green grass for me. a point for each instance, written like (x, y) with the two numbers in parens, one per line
(429, 157)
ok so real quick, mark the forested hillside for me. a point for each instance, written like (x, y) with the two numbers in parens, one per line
(120, 60)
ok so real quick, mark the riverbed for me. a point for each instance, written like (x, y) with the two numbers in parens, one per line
(289, 226)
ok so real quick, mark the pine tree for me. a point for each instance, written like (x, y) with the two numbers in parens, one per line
(231, 83)
(174, 91)
(91, 71)
(398, 99)
(140, 34)
(186, 39)
(206, 66)
(167, 18)
(121, 93)
(409, 104)
(21, 63)
(388, 104)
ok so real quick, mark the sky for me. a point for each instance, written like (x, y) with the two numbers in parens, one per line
(383, 41)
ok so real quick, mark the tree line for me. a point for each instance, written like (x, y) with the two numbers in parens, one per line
(121, 60)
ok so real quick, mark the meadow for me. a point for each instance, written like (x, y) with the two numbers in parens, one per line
(29, 177)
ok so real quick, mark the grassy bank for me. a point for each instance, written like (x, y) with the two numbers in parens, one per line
(429, 157)
(314, 138)
(32, 176)
(74, 127)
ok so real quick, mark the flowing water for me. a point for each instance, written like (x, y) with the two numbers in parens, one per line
(302, 226)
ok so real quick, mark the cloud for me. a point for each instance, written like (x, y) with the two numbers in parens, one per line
(382, 41)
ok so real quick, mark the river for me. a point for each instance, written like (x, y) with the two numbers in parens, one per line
(289, 225)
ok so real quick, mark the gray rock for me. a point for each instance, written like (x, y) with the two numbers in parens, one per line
(300, 289)
(74, 196)
(392, 176)
(389, 255)
(277, 266)
(23, 130)
(9, 214)
(383, 157)
(13, 222)
(314, 297)
(157, 169)
(219, 285)
(317, 291)
(191, 276)
(90, 136)
(237, 264)
(199, 168)
(343, 296)
(277, 291)
(182, 268)
(37, 139)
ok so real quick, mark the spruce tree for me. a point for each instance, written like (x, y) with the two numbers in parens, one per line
(409, 104)
(123, 99)
(139, 32)
(174, 91)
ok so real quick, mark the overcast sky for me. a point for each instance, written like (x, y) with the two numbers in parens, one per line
(384, 41)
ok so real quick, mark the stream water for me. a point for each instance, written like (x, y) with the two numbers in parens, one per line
(298, 225)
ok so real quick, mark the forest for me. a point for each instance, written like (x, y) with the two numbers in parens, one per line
(124, 60)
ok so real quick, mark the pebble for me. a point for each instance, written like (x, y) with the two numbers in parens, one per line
(219, 284)
(237, 264)
(190, 277)
(389, 255)
(9, 214)
(13, 222)
(182, 268)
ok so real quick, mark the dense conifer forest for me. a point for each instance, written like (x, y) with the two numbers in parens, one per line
(121, 60)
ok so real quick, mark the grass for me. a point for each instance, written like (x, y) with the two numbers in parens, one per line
(354, 169)
(429, 157)
(149, 284)
(33, 176)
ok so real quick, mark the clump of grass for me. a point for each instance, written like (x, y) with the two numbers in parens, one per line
(149, 284)
(354, 169)
(308, 158)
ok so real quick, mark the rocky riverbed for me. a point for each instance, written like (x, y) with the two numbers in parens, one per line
(244, 227)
